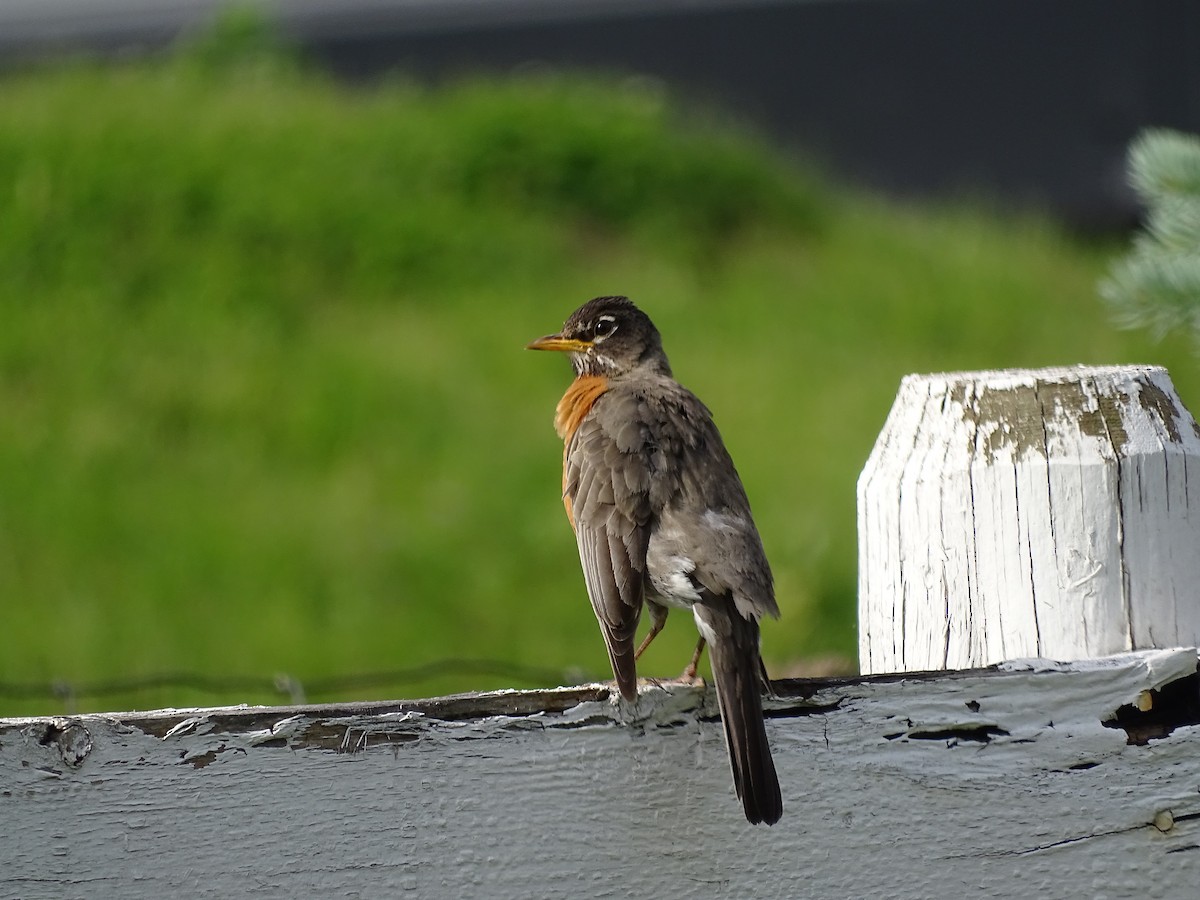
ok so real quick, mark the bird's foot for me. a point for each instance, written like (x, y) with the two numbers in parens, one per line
(685, 680)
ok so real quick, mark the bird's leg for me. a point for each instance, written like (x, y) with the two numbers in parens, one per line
(659, 614)
(765, 679)
(689, 674)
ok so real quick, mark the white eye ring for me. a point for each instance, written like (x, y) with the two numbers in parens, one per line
(605, 325)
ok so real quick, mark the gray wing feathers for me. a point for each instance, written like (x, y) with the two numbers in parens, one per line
(704, 508)
(612, 530)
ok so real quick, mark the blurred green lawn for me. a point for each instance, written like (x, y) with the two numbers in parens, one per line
(264, 405)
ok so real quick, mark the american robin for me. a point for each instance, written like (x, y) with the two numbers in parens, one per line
(660, 516)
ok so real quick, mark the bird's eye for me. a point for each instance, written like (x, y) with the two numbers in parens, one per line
(605, 325)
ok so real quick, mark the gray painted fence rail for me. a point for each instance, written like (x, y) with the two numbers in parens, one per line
(1029, 779)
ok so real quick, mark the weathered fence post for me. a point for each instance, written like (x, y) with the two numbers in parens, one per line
(1049, 513)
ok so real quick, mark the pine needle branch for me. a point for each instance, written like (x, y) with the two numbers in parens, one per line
(1157, 284)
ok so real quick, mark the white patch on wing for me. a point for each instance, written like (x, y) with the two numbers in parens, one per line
(670, 567)
(705, 632)
(678, 586)
(723, 522)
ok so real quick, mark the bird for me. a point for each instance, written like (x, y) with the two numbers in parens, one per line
(661, 519)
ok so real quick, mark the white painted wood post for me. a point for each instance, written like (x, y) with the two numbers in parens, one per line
(1029, 513)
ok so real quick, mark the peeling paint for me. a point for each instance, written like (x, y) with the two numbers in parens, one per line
(1011, 421)
(1008, 417)
(1154, 399)
(70, 739)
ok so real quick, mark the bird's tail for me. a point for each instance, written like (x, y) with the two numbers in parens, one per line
(624, 666)
(736, 666)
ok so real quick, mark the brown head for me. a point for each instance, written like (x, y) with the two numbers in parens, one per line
(609, 336)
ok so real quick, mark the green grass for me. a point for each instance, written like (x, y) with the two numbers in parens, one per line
(265, 406)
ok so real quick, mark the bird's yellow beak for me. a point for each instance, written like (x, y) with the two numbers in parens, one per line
(558, 342)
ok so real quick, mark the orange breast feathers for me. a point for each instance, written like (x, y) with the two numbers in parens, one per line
(575, 404)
